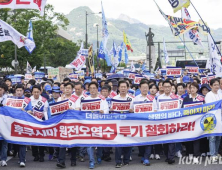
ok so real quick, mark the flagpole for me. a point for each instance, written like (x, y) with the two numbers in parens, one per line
(188, 51)
(184, 37)
(207, 27)
(16, 59)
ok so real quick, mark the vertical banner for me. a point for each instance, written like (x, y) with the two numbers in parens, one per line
(91, 63)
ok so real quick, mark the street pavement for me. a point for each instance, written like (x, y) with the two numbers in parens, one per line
(134, 164)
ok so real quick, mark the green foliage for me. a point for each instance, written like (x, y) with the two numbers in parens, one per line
(56, 50)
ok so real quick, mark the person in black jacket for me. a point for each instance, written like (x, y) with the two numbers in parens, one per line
(193, 147)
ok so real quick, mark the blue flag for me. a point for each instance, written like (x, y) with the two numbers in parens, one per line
(126, 56)
(107, 58)
(30, 48)
(143, 66)
(113, 69)
(105, 32)
(114, 49)
(101, 51)
(120, 49)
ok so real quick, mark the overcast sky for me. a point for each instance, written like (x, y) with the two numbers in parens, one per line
(146, 10)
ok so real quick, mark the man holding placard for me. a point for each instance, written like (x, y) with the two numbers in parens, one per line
(62, 151)
(94, 103)
(122, 103)
(168, 101)
(4, 144)
(40, 106)
(19, 101)
(145, 103)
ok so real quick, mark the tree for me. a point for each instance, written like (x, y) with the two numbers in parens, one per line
(56, 50)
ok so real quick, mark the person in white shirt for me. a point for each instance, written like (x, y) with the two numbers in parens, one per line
(41, 104)
(143, 97)
(70, 96)
(38, 102)
(94, 94)
(123, 88)
(79, 92)
(180, 89)
(4, 144)
(212, 96)
(62, 151)
(169, 149)
(104, 109)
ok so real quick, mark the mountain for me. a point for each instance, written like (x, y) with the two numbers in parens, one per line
(128, 19)
(134, 29)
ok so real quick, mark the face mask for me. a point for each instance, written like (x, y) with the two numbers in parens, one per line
(28, 95)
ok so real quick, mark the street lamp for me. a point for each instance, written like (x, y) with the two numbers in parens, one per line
(87, 66)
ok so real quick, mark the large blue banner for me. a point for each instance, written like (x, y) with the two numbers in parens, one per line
(82, 129)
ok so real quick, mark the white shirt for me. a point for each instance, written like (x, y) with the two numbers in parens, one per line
(3, 99)
(162, 97)
(78, 102)
(103, 105)
(219, 91)
(212, 97)
(41, 101)
(140, 98)
(127, 97)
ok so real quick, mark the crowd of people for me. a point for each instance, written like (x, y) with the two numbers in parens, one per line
(43, 94)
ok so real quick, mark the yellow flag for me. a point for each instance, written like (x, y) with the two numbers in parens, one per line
(90, 57)
(127, 42)
(179, 25)
(178, 4)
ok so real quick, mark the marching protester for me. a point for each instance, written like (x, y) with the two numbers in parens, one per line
(40, 108)
(27, 106)
(4, 144)
(169, 149)
(79, 88)
(148, 92)
(193, 147)
(54, 152)
(123, 95)
(144, 97)
(103, 108)
(212, 96)
(62, 151)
